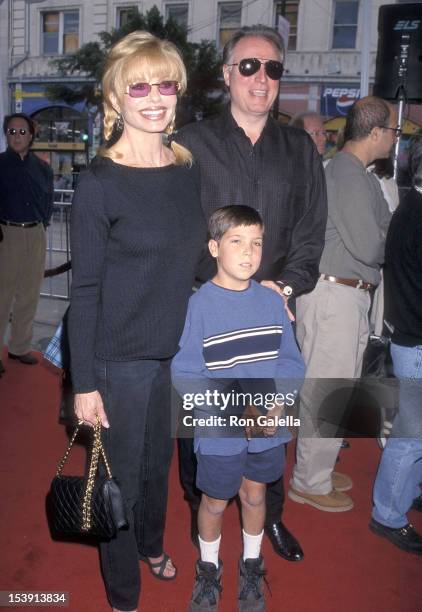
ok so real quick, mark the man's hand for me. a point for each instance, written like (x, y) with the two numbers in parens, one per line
(272, 285)
(88, 406)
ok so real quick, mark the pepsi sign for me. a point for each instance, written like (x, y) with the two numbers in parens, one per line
(338, 99)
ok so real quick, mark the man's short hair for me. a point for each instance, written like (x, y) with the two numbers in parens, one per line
(415, 160)
(299, 120)
(227, 217)
(364, 116)
(29, 121)
(257, 31)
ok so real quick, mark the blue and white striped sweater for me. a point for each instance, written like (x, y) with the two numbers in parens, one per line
(241, 346)
(237, 335)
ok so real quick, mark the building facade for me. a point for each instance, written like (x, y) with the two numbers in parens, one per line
(322, 66)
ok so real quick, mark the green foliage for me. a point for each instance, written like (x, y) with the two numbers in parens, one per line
(201, 60)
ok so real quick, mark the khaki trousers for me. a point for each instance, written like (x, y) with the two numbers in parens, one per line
(22, 262)
(332, 331)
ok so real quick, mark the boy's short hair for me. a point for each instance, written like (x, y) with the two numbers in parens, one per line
(228, 217)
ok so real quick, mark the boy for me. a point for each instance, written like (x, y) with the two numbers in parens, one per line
(236, 329)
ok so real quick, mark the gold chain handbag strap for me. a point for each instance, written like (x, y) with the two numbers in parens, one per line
(92, 470)
(96, 451)
(66, 455)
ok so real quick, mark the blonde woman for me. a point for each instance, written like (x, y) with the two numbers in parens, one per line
(137, 233)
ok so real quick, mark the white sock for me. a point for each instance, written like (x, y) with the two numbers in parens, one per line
(251, 545)
(209, 550)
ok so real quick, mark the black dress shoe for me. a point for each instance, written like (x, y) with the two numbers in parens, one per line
(284, 543)
(417, 503)
(406, 538)
(27, 359)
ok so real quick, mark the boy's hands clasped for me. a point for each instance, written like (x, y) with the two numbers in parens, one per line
(259, 429)
(272, 418)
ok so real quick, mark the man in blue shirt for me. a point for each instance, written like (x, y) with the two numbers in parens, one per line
(26, 202)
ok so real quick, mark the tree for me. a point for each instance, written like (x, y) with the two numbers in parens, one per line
(204, 92)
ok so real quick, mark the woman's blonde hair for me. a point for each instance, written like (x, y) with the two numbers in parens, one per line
(141, 56)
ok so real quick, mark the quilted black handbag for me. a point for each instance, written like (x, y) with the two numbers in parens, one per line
(90, 504)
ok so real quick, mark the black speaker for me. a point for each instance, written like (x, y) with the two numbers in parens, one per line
(399, 55)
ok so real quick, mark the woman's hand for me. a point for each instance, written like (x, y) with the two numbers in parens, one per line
(88, 406)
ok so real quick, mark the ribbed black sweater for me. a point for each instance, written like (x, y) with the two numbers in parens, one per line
(403, 271)
(136, 237)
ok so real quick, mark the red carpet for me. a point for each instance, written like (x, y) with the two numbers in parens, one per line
(346, 567)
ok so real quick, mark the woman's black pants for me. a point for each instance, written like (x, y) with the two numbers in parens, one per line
(136, 396)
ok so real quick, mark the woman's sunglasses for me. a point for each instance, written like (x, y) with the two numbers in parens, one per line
(251, 65)
(14, 131)
(141, 90)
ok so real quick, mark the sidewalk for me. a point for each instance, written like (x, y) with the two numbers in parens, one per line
(50, 312)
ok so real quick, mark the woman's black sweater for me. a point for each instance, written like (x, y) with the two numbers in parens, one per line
(136, 237)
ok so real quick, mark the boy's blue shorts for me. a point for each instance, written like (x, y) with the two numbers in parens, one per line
(220, 476)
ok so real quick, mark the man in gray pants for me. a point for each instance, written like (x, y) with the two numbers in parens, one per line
(332, 320)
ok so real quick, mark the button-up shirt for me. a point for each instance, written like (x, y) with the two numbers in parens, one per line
(281, 176)
(26, 188)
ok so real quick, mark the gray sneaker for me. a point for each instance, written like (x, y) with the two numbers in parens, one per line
(207, 587)
(251, 583)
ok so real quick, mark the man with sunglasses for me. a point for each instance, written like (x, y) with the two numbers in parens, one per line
(26, 203)
(246, 157)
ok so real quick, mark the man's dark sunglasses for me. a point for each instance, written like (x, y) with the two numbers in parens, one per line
(251, 65)
(14, 131)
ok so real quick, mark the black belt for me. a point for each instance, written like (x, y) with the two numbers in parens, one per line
(25, 224)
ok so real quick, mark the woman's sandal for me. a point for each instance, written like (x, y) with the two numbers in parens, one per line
(161, 566)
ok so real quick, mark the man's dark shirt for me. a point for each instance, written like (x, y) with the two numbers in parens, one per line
(281, 176)
(403, 271)
(26, 188)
